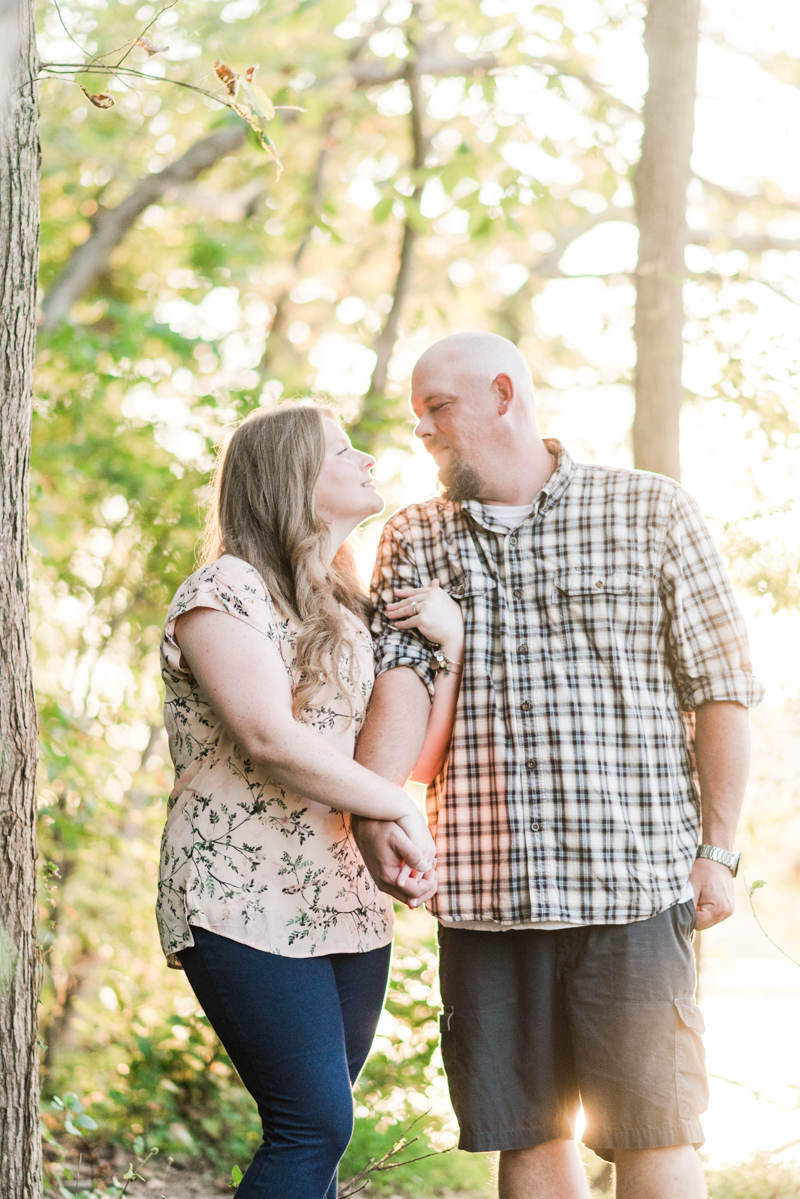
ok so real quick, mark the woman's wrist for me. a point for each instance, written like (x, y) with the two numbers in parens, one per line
(453, 649)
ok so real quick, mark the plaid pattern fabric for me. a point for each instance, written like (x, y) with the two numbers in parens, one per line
(591, 629)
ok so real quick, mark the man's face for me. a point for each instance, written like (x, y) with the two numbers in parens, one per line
(451, 408)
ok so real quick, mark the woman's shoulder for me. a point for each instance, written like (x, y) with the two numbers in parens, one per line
(230, 585)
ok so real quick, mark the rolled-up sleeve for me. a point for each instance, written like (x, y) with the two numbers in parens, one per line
(707, 643)
(395, 566)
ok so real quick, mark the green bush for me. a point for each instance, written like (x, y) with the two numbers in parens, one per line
(757, 1179)
(181, 1094)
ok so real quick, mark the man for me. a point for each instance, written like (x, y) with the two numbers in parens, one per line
(597, 615)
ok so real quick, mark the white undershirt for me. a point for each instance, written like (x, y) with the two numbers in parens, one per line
(511, 516)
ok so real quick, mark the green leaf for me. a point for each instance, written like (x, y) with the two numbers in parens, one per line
(236, 1176)
(71, 1100)
(259, 101)
(757, 885)
(84, 1121)
(383, 210)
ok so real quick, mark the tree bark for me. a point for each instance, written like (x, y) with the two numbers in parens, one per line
(20, 1141)
(662, 176)
(90, 259)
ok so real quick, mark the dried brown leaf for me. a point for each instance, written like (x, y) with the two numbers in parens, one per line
(228, 77)
(147, 45)
(100, 99)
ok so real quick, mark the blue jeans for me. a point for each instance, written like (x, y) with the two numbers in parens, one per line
(298, 1030)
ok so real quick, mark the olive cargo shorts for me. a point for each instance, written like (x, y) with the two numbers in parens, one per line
(536, 1022)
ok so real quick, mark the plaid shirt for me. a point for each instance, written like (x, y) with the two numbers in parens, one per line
(591, 629)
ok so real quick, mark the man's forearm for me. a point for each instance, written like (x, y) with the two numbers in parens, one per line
(394, 730)
(722, 752)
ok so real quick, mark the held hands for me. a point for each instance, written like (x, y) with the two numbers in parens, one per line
(387, 851)
(420, 858)
(433, 613)
(713, 890)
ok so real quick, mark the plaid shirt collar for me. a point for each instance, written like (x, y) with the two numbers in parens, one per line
(550, 494)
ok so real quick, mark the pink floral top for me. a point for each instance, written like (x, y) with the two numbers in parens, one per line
(241, 855)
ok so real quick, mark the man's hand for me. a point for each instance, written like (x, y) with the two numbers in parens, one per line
(383, 846)
(713, 892)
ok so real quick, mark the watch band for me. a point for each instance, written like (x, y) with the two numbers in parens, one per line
(726, 857)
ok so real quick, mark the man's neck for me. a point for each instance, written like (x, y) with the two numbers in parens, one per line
(520, 479)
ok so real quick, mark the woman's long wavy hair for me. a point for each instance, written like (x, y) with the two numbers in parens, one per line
(263, 511)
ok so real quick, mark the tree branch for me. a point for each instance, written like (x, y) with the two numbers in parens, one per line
(375, 74)
(90, 260)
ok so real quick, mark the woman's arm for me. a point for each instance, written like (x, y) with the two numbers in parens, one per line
(438, 617)
(244, 679)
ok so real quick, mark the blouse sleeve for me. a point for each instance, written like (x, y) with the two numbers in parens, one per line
(228, 585)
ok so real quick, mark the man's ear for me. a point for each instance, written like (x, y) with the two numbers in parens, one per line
(503, 388)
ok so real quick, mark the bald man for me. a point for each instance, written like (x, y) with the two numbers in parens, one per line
(567, 820)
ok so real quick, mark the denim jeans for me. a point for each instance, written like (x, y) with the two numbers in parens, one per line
(298, 1030)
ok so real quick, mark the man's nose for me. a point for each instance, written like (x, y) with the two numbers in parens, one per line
(424, 426)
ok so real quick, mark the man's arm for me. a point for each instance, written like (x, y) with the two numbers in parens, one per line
(722, 753)
(389, 745)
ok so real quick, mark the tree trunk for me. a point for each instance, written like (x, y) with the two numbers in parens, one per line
(20, 1142)
(662, 176)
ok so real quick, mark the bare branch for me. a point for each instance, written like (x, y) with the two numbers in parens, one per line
(752, 243)
(90, 259)
(547, 266)
(375, 74)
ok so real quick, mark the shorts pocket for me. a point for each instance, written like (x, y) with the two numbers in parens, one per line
(691, 1080)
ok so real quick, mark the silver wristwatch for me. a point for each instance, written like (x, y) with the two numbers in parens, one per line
(725, 857)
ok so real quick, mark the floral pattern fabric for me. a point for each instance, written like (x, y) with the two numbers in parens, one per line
(241, 855)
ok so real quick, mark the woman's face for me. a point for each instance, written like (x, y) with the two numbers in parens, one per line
(345, 492)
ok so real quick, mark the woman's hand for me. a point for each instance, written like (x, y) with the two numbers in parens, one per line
(433, 613)
(416, 829)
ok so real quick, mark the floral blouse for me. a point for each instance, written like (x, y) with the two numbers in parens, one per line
(241, 855)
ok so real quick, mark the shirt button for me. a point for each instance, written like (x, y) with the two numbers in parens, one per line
(517, 593)
(599, 583)
(512, 541)
(523, 649)
(530, 764)
(526, 707)
(534, 826)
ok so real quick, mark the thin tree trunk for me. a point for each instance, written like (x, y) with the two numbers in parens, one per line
(373, 410)
(20, 1141)
(662, 176)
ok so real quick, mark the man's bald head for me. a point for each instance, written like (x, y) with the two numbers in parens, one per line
(472, 394)
(482, 356)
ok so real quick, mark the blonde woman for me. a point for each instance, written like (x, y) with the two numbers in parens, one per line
(264, 899)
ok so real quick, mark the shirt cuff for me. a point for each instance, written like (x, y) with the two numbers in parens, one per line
(418, 661)
(728, 686)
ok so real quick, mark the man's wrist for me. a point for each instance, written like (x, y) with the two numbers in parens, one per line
(724, 857)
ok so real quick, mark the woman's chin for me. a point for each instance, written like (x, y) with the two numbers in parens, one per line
(373, 503)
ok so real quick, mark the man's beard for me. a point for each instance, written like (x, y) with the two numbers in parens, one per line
(458, 480)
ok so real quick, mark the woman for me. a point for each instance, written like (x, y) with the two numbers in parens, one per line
(264, 900)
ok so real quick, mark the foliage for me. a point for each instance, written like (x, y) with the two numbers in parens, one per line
(231, 292)
(757, 1179)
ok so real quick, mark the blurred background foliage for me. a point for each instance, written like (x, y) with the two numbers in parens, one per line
(447, 160)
